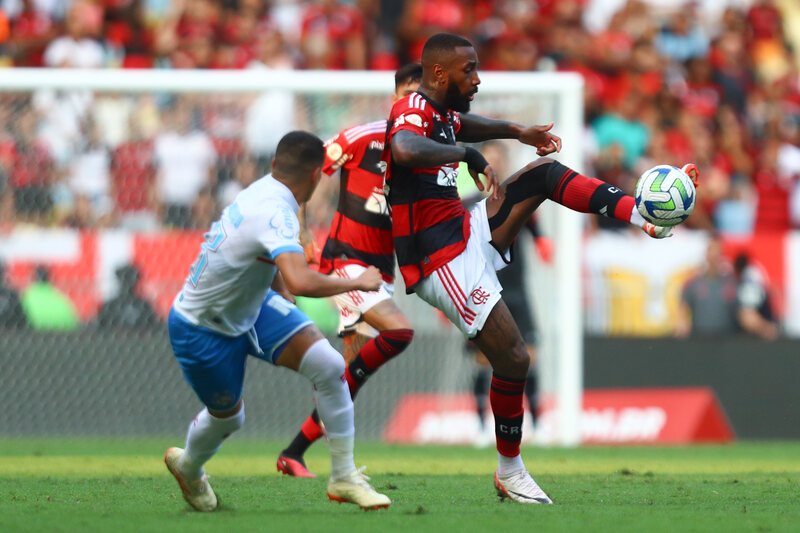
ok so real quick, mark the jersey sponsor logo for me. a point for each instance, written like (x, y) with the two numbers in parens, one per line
(376, 203)
(447, 177)
(479, 296)
(376, 145)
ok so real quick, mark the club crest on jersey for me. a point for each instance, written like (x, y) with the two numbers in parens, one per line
(334, 151)
(284, 224)
(479, 296)
(447, 177)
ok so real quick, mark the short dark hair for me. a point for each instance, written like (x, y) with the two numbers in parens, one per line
(440, 44)
(407, 74)
(297, 153)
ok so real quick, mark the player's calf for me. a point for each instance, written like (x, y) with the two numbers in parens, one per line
(376, 353)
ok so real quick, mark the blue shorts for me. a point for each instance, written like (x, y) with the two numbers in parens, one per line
(213, 363)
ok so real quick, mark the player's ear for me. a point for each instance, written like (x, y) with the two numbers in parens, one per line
(273, 163)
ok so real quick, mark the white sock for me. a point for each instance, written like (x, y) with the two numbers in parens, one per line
(508, 465)
(204, 439)
(324, 366)
(636, 218)
(341, 456)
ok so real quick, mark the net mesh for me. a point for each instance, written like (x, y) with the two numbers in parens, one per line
(104, 197)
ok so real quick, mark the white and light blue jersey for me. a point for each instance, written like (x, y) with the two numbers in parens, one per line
(230, 278)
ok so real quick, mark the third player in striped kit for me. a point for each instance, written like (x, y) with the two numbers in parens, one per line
(373, 327)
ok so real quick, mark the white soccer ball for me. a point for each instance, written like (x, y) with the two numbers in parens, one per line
(665, 195)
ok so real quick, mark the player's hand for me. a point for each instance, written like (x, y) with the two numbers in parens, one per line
(657, 232)
(369, 280)
(690, 169)
(310, 246)
(540, 137)
(477, 164)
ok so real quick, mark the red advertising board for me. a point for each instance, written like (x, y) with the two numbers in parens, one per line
(610, 416)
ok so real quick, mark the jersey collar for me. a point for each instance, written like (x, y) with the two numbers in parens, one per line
(439, 109)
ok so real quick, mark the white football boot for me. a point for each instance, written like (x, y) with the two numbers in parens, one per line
(657, 232)
(520, 487)
(197, 493)
(354, 488)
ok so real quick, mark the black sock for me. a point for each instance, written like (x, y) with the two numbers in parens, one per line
(300, 444)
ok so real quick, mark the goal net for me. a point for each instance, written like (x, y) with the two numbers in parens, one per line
(108, 180)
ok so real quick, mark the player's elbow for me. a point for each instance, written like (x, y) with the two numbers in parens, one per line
(297, 284)
(401, 154)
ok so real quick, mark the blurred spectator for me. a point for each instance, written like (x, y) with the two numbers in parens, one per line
(245, 172)
(78, 48)
(423, 18)
(133, 180)
(11, 312)
(128, 309)
(30, 170)
(756, 315)
(682, 38)
(708, 301)
(272, 113)
(185, 161)
(333, 36)
(89, 182)
(623, 127)
(127, 35)
(46, 307)
(32, 30)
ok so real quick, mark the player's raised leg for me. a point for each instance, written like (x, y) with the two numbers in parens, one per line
(546, 178)
(310, 354)
(363, 355)
(502, 343)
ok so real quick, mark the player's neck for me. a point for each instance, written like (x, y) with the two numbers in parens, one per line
(298, 189)
(434, 94)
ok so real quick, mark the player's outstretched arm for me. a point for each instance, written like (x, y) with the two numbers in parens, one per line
(475, 128)
(302, 281)
(412, 150)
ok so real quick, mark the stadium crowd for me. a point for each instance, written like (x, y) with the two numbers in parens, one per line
(666, 82)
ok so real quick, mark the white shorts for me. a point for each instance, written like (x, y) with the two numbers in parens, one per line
(352, 305)
(466, 289)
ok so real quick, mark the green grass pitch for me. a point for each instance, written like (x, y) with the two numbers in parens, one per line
(122, 485)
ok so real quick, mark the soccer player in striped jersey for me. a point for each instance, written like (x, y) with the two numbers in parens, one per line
(372, 326)
(448, 255)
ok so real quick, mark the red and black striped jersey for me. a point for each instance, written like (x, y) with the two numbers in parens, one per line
(430, 226)
(361, 231)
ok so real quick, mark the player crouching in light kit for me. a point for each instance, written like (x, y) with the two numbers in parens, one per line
(448, 255)
(361, 235)
(230, 307)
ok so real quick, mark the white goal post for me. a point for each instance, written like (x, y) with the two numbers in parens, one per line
(561, 323)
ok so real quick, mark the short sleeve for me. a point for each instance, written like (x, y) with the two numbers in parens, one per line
(282, 232)
(456, 119)
(337, 152)
(413, 114)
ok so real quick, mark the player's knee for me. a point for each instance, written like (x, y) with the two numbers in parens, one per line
(397, 340)
(322, 364)
(520, 358)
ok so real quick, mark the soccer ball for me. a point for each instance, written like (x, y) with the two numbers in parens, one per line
(665, 195)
